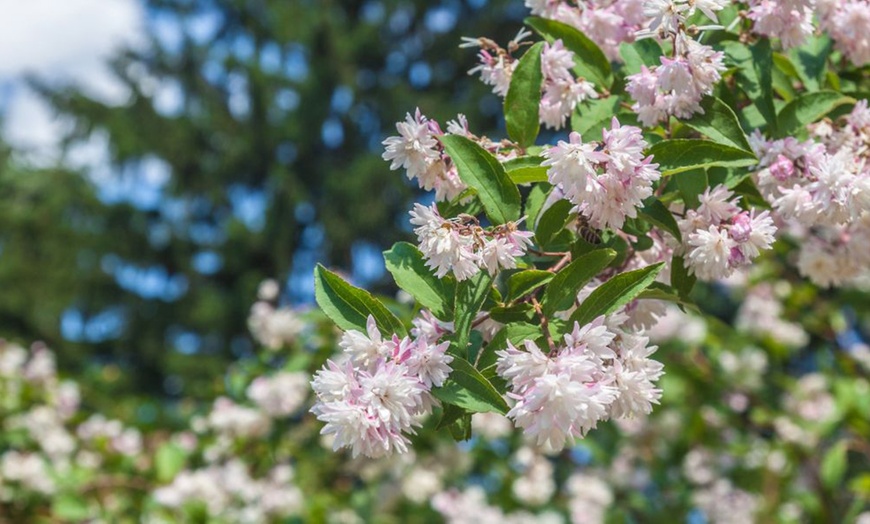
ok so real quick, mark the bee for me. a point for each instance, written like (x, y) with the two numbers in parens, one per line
(587, 232)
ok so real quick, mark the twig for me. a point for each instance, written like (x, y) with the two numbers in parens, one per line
(545, 326)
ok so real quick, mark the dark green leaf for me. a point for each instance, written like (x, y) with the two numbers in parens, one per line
(562, 290)
(754, 74)
(405, 262)
(523, 312)
(691, 184)
(552, 221)
(349, 306)
(470, 295)
(522, 103)
(811, 59)
(524, 282)
(808, 108)
(534, 203)
(468, 389)
(482, 172)
(592, 116)
(678, 155)
(461, 428)
(615, 293)
(719, 123)
(449, 415)
(590, 62)
(681, 280)
(656, 212)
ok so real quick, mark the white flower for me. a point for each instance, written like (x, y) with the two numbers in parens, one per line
(365, 349)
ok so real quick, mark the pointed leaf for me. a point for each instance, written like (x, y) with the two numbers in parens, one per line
(526, 169)
(349, 306)
(524, 282)
(808, 108)
(482, 172)
(592, 116)
(522, 103)
(719, 123)
(615, 293)
(590, 61)
(470, 390)
(656, 212)
(680, 154)
(470, 295)
(681, 280)
(405, 262)
(562, 290)
(552, 221)
(646, 52)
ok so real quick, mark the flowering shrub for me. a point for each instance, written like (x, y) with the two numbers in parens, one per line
(586, 240)
(658, 307)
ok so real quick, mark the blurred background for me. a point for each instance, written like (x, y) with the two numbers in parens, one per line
(160, 158)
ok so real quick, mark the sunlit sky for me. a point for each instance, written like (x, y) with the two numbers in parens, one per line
(63, 41)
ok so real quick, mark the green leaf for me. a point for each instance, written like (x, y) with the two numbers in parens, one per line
(590, 61)
(615, 293)
(656, 212)
(592, 116)
(754, 74)
(719, 123)
(552, 221)
(168, 461)
(470, 295)
(562, 290)
(811, 60)
(808, 108)
(468, 389)
(681, 154)
(681, 280)
(449, 415)
(834, 465)
(461, 429)
(523, 312)
(405, 262)
(482, 172)
(691, 184)
(70, 508)
(646, 52)
(522, 103)
(535, 202)
(526, 169)
(524, 282)
(516, 333)
(349, 306)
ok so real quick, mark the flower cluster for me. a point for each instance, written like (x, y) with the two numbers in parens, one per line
(607, 181)
(601, 372)
(418, 151)
(789, 20)
(376, 395)
(461, 246)
(848, 23)
(228, 491)
(676, 87)
(273, 327)
(608, 23)
(561, 91)
(719, 237)
(821, 188)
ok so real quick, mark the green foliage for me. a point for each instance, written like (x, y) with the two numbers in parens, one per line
(483, 173)
(349, 306)
(405, 262)
(521, 103)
